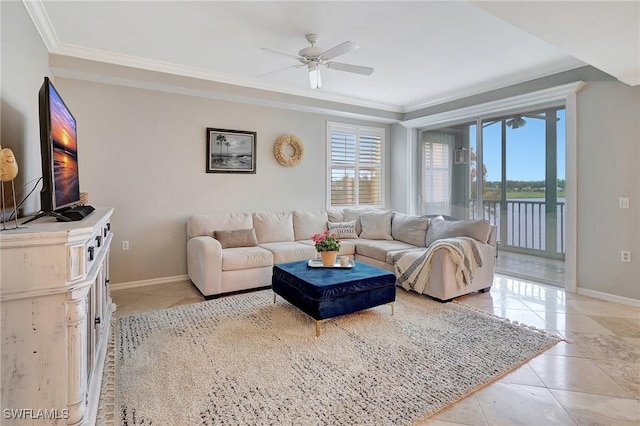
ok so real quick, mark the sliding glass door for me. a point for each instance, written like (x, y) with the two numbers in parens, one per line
(507, 169)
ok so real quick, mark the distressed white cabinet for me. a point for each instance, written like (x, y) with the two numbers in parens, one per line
(55, 309)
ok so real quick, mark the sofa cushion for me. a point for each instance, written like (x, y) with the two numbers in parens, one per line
(204, 225)
(376, 225)
(409, 229)
(354, 214)
(343, 229)
(478, 229)
(273, 227)
(286, 251)
(236, 238)
(307, 223)
(238, 258)
(377, 249)
(335, 216)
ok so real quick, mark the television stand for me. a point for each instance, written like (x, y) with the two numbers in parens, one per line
(72, 214)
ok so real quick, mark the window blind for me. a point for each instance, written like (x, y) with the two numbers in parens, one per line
(356, 166)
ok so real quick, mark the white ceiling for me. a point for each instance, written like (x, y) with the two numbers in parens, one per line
(423, 52)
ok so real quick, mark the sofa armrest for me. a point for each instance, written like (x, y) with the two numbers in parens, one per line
(204, 264)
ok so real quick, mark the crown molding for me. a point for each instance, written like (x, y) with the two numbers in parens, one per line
(40, 19)
(495, 107)
(185, 71)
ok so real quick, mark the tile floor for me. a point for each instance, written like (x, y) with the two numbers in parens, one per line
(591, 379)
(527, 267)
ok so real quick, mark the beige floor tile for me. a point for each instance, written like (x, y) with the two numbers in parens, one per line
(523, 376)
(510, 404)
(577, 323)
(588, 409)
(602, 308)
(565, 349)
(575, 374)
(633, 341)
(626, 327)
(598, 346)
(626, 374)
(466, 412)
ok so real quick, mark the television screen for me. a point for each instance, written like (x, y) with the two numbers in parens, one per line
(65, 152)
(61, 186)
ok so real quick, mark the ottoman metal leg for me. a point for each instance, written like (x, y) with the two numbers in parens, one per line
(392, 305)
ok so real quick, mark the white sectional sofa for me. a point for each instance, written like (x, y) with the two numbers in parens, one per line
(228, 252)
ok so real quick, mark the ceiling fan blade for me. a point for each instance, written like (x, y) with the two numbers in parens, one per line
(541, 117)
(338, 50)
(350, 68)
(280, 52)
(278, 70)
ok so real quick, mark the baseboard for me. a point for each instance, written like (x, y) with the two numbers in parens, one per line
(153, 281)
(609, 297)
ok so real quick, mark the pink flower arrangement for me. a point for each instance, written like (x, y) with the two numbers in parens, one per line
(326, 241)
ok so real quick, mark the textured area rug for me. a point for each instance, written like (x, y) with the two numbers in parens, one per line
(245, 360)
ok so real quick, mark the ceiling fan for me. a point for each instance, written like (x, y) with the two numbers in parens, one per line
(313, 57)
(517, 121)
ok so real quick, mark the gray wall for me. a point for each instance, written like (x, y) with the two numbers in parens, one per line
(608, 159)
(25, 62)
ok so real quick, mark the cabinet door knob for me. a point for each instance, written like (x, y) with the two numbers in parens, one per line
(91, 250)
(97, 320)
(98, 240)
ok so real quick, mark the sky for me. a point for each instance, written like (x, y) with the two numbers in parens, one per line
(525, 150)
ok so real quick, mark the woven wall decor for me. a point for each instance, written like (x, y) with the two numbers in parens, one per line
(280, 150)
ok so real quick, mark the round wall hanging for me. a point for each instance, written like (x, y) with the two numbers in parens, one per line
(280, 150)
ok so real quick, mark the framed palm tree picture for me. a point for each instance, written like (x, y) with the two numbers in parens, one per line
(231, 151)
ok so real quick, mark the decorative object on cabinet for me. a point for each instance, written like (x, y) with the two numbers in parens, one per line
(231, 151)
(56, 304)
(285, 143)
(8, 172)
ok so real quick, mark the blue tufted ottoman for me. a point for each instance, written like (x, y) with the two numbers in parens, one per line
(324, 293)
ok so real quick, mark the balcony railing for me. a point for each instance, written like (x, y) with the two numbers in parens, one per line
(527, 226)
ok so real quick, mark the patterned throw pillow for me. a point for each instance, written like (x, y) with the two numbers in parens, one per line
(343, 229)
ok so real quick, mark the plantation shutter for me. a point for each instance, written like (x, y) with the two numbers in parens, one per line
(355, 166)
(436, 173)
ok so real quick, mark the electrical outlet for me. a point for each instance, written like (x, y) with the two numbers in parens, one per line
(125, 245)
(625, 256)
(624, 202)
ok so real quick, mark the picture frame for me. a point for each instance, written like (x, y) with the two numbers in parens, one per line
(231, 151)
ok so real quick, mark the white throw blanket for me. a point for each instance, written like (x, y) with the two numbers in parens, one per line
(412, 267)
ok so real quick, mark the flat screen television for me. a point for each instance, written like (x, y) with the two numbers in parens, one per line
(60, 194)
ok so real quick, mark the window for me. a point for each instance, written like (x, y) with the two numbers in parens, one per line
(436, 172)
(355, 166)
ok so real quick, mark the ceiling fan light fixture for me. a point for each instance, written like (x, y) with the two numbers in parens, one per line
(516, 122)
(314, 76)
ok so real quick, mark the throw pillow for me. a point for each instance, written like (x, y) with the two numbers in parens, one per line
(354, 214)
(376, 225)
(307, 223)
(236, 238)
(343, 229)
(439, 228)
(409, 229)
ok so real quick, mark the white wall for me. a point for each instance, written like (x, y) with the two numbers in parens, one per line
(143, 152)
(25, 62)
